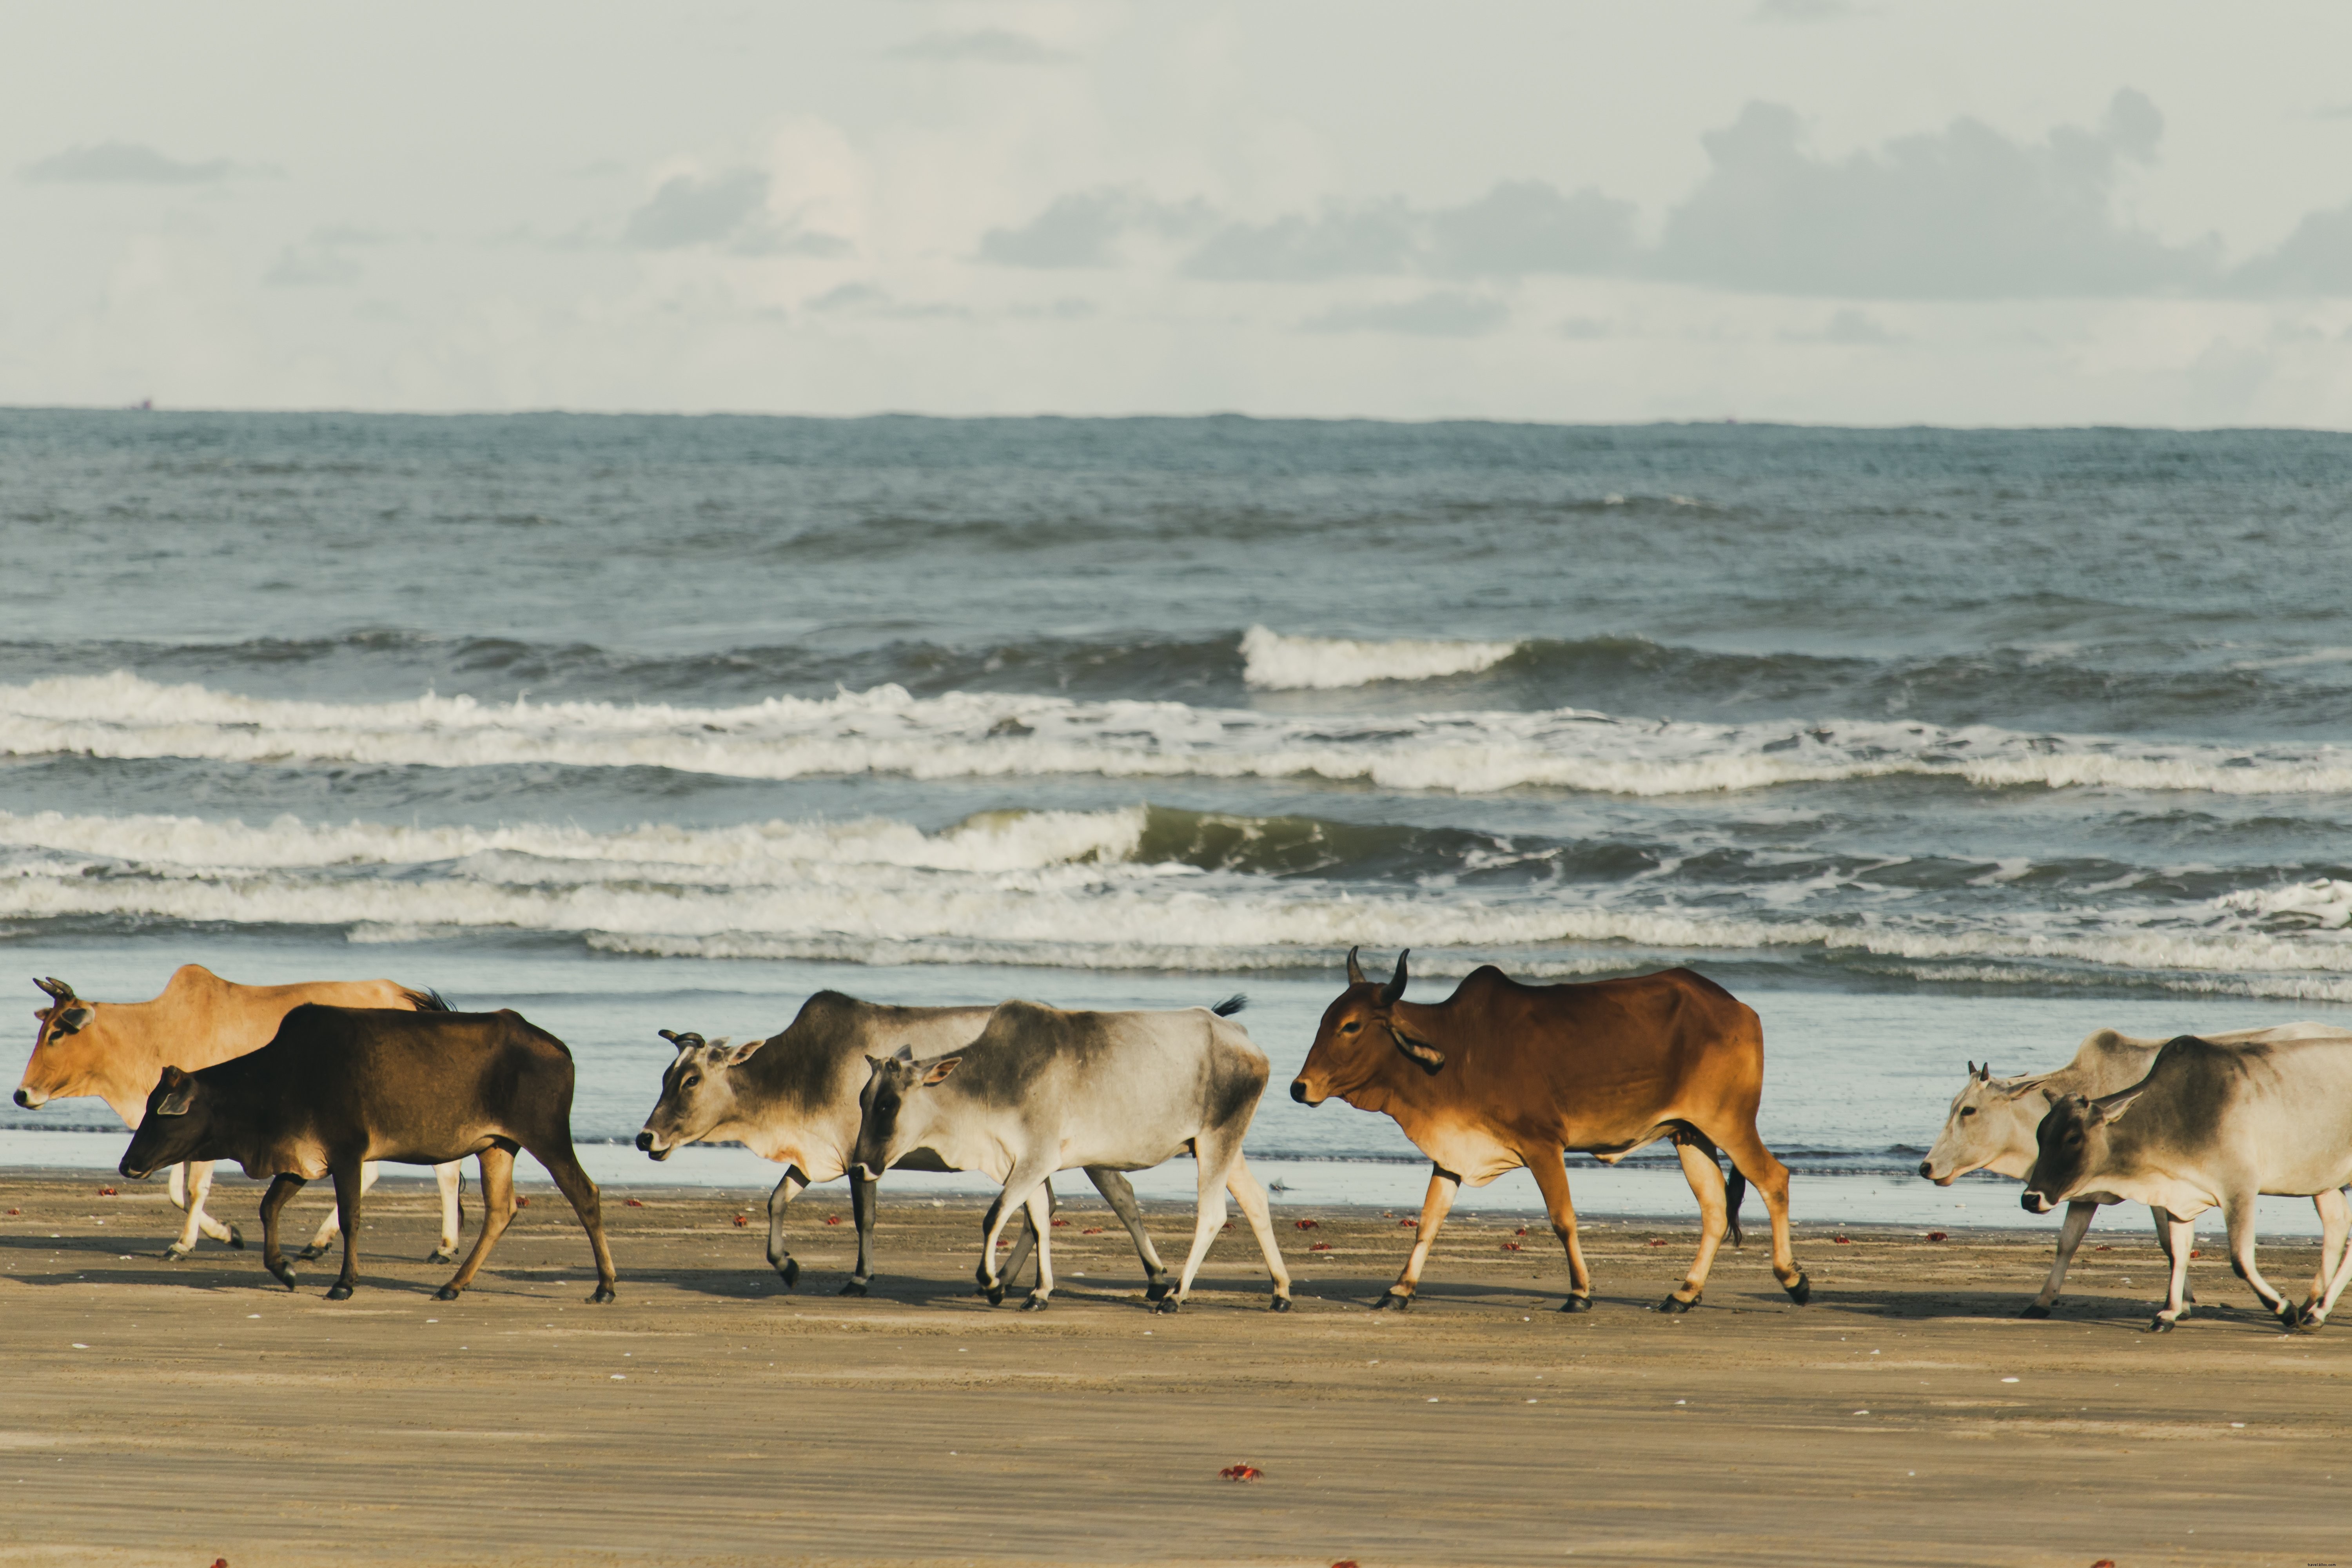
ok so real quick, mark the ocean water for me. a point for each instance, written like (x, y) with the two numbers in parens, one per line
(1931, 745)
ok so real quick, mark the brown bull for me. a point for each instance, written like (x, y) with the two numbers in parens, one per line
(1501, 1075)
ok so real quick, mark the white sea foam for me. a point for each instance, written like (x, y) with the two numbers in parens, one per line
(991, 735)
(1279, 663)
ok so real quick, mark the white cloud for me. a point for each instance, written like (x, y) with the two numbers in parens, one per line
(124, 164)
(729, 211)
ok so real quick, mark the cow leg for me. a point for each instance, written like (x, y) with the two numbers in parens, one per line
(191, 1183)
(2334, 1219)
(1770, 1177)
(1120, 1194)
(497, 1209)
(1019, 1184)
(1024, 1241)
(780, 1257)
(2239, 1207)
(861, 1215)
(333, 1226)
(350, 1182)
(450, 1178)
(2071, 1232)
(1213, 1153)
(1550, 1170)
(281, 1187)
(2336, 1283)
(587, 1203)
(1442, 1185)
(1243, 1184)
(2178, 1234)
(1040, 1213)
(1706, 1178)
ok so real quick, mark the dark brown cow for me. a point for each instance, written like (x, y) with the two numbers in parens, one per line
(337, 1087)
(1502, 1075)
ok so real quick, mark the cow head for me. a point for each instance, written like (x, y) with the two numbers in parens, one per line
(1989, 1126)
(66, 1052)
(180, 1125)
(2072, 1147)
(895, 1114)
(698, 1092)
(1363, 1041)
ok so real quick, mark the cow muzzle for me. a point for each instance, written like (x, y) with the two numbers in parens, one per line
(645, 1145)
(1298, 1092)
(31, 1101)
(2032, 1202)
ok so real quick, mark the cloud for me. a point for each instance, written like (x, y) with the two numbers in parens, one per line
(1847, 327)
(866, 299)
(322, 260)
(1445, 314)
(1967, 214)
(728, 210)
(988, 47)
(2316, 259)
(124, 164)
(1086, 228)
(1801, 10)
(1516, 228)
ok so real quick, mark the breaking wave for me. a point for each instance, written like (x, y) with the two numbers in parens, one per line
(1276, 662)
(888, 730)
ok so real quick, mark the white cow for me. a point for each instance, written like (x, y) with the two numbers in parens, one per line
(1042, 1090)
(1991, 1122)
(2214, 1126)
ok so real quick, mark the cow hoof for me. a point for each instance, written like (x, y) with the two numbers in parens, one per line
(2311, 1320)
(1392, 1300)
(1167, 1306)
(995, 1294)
(790, 1268)
(854, 1288)
(1674, 1304)
(442, 1255)
(2161, 1325)
(339, 1291)
(236, 1238)
(2034, 1309)
(177, 1253)
(1280, 1304)
(446, 1293)
(1802, 1290)
(285, 1276)
(1157, 1289)
(311, 1253)
(603, 1296)
(1037, 1303)
(1577, 1304)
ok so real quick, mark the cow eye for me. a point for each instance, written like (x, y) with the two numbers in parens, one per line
(691, 1080)
(1967, 1111)
(1349, 1028)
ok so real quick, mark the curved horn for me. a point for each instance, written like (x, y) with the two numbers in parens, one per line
(683, 1042)
(1355, 969)
(58, 991)
(1394, 989)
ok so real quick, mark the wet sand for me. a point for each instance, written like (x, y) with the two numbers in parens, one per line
(161, 1413)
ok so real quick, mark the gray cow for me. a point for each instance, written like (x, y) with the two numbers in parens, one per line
(1991, 1122)
(792, 1097)
(2214, 1126)
(1041, 1090)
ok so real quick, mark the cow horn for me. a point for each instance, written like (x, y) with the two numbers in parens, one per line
(687, 1041)
(1394, 989)
(58, 991)
(1355, 969)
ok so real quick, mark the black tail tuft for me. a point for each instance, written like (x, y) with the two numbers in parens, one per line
(1231, 1005)
(1735, 1188)
(427, 1001)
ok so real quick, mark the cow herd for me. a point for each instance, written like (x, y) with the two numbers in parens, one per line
(329, 1080)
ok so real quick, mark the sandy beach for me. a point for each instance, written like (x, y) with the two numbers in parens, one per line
(172, 1414)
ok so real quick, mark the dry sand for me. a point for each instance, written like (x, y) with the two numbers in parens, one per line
(161, 1413)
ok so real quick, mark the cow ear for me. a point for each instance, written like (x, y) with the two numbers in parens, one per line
(1355, 969)
(2113, 1107)
(178, 1089)
(743, 1052)
(69, 1020)
(903, 1053)
(1430, 1057)
(940, 1069)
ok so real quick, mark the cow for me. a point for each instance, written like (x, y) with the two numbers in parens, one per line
(337, 1087)
(114, 1049)
(792, 1097)
(2212, 1126)
(1503, 1074)
(1041, 1090)
(1991, 1124)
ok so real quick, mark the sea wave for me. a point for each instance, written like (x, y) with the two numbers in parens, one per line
(886, 730)
(1276, 662)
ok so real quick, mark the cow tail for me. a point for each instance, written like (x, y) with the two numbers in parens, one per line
(1735, 1188)
(427, 1001)
(1231, 1005)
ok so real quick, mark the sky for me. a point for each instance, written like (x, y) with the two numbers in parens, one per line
(1826, 211)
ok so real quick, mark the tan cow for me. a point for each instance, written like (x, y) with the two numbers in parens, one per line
(1501, 1075)
(116, 1051)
